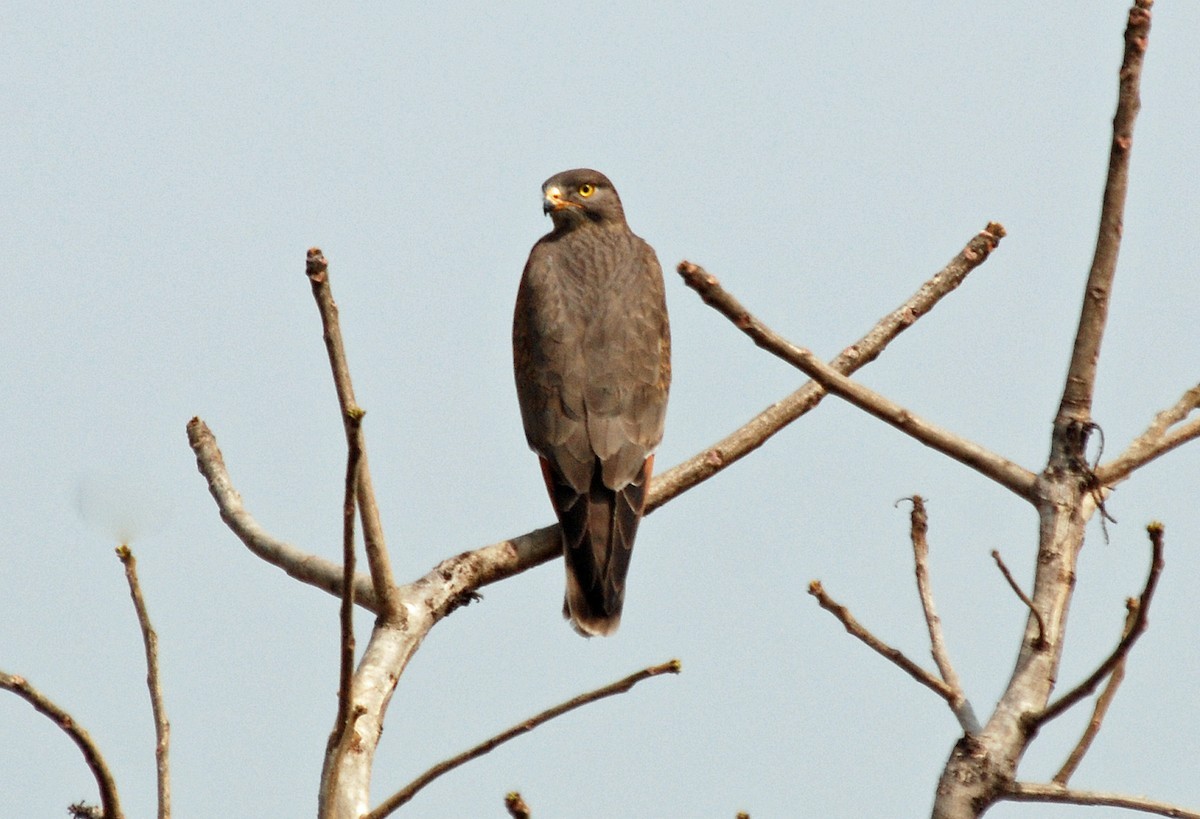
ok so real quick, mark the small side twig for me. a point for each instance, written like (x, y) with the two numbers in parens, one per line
(109, 802)
(317, 270)
(1030, 792)
(1011, 476)
(1100, 709)
(1155, 531)
(162, 726)
(514, 803)
(958, 703)
(619, 687)
(875, 644)
(1040, 642)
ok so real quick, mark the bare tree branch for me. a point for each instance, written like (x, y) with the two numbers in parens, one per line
(1161, 437)
(1012, 584)
(1140, 622)
(162, 726)
(1081, 376)
(388, 806)
(305, 567)
(1029, 792)
(762, 427)
(1101, 707)
(959, 703)
(341, 724)
(1001, 470)
(514, 555)
(374, 543)
(883, 649)
(91, 754)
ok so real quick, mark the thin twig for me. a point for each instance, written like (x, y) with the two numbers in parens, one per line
(162, 726)
(619, 687)
(346, 610)
(1076, 405)
(1165, 433)
(959, 703)
(1101, 707)
(894, 654)
(1030, 792)
(514, 803)
(1040, 642)
(317, 270)
(1085, 688)
(91, 754)
(1001, 470)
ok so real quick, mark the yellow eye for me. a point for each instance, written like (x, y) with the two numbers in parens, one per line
(586, 189)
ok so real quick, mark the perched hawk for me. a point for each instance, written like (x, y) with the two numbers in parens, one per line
(592, 355)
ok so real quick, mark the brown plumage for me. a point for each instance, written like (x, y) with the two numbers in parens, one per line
(592, 357)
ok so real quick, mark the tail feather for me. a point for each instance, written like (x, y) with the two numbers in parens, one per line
(598, 529)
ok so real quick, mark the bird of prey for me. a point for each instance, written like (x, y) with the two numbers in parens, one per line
(592, 357)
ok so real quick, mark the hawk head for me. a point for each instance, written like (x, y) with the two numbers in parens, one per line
(581, 196)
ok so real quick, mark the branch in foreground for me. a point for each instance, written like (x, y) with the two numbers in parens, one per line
(883, 649)
(1076, 405)
(959, 703)
(1085, 688)
(1101, 707)
(1160, 437)
(619, 687)
(109, 802)
(162, 727)
(1040, 642)
(758, 430)
(1001, 470)
(490, 564)
(1028, 792)
(317, 270)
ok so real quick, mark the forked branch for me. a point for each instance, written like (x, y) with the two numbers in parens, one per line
(999, 469)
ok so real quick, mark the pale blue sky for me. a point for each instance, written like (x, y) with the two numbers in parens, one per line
(165, 171)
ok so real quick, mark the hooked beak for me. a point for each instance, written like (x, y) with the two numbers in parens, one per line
(552, 200)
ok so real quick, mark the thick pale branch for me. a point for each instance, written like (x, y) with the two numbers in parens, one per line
(895, 655)
(1076, 403)
(109, 802)
(374, 543)
(1029, 792)
(1001, 470)
(958, 703)
(162, 726)
(619, 687)
(305, 567)
(1085, 688)
(759, 429)
(1166, 432)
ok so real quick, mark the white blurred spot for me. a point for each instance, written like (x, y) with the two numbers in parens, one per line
(119, 506)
